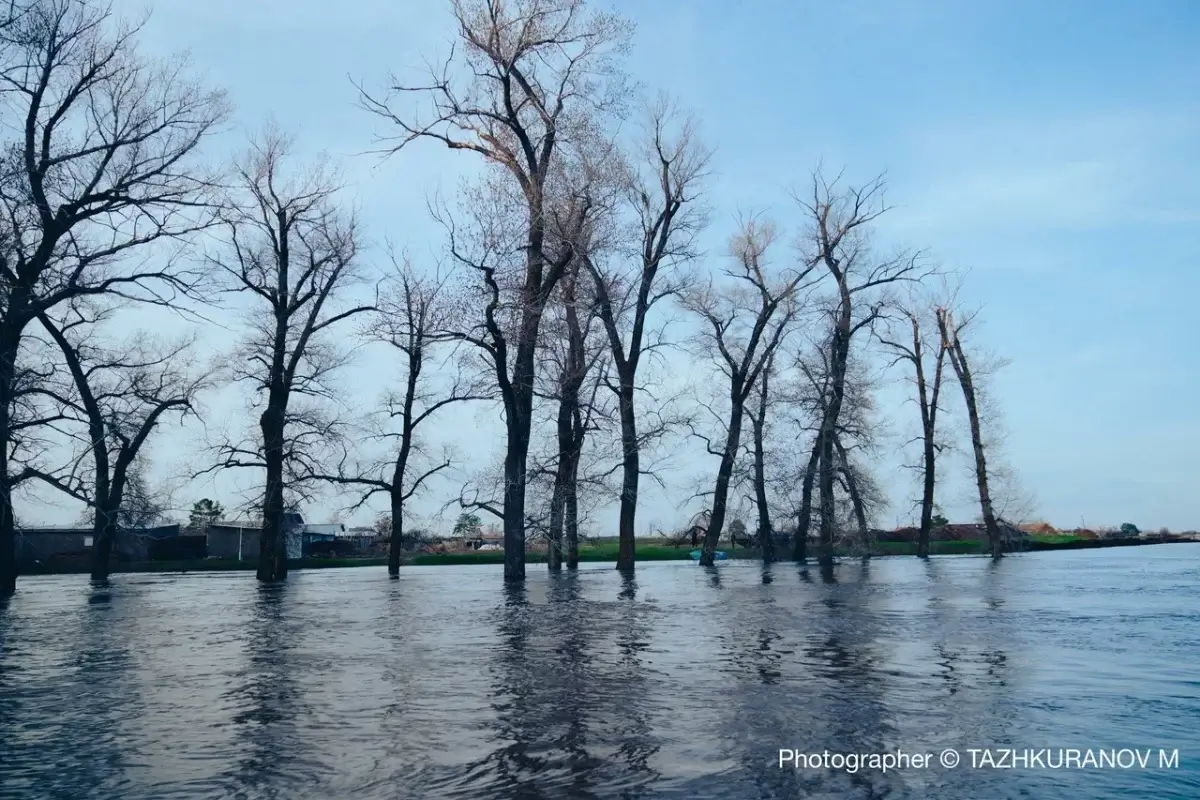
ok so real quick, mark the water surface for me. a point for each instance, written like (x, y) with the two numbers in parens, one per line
(682, 682)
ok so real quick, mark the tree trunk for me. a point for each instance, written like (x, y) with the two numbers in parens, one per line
(104, 534)
(981, 477)
(721, 494)
(804, 517)
(571, 517)
(396, 540)
(629, 480)
(856, 502)
(515, 455)
(565, 438)
(554, 555)
(272, 553)
(8, 538)
(825, 476)
(839, 355)
(928, 398)
(927, 497)
(766, 540)
(396, 544)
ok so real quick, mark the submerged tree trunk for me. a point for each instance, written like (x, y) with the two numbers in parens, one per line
(554, 554)
(396, 537)
(981, 476)
(766, 539)
(929, 398)
(840, 352)
(721, 495)
(109, 498)
(856, 501)
(515, 458)
(630, 472)
(571, 520)
(272, 552)
(962, 370)
(104, 533)
(927, 490)
(804, 516)
(9, 346)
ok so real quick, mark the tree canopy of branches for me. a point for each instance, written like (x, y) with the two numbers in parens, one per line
(926, 378)
(296, 254)
(808, 398)
(840, 218)
(745, 320)
(100, 164)
(123, 395)
(417, 318)
(661, 192)
(541, 75)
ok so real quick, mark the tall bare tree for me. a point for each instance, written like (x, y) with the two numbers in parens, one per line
(100, 163)
(840, 219)
(123, 395)
(951, 330)
(745, 323)
(927, 380)
(296, 254)
(540, 74)
(662, 194)
(418, 317)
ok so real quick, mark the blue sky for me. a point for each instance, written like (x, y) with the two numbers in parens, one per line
(1049, 148)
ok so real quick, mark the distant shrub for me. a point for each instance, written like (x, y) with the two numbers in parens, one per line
(1129, 529)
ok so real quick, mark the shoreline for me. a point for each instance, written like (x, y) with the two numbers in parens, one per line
(597, 554)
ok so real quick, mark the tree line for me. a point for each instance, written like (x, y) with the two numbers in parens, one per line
(574, 275)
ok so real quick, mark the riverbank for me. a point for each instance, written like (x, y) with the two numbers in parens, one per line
(606, 551)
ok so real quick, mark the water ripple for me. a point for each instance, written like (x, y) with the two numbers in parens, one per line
(683, 682)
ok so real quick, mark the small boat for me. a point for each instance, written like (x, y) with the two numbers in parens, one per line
(719, 555)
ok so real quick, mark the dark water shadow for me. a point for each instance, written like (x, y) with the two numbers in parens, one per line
(53, 749)
(714, 575)
(571, 718)
(268, 711)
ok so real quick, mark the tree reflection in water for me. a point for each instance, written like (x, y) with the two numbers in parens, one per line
(571, 716)
(269, 712)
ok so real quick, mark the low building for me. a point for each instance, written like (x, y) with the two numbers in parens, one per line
(40, 545)
(234, 540)
(323, 532)
(239, 540)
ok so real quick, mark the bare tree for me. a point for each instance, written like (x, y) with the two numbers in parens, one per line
(809, 398)
(927, 379)
(418, 316)
(101, 164)
(840, 220)
(662, 195)
(951, 330)
(541, 73)
(296, 254)
(746, 324)
(123, 395)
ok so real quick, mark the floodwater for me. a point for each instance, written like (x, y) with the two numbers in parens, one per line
(683, 682)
